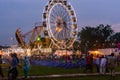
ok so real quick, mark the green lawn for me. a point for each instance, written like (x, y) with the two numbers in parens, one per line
(43, 70)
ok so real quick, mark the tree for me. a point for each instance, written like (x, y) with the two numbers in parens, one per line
(94, 37)
(115, 39)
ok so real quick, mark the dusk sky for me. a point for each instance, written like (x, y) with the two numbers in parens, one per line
(24, 13)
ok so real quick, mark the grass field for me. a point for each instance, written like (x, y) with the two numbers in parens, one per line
(43, 70)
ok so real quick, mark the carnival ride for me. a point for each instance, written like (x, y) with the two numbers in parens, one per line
(30, 39)
(59, 26)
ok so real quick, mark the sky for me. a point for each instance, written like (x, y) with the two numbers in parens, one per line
(24, 14)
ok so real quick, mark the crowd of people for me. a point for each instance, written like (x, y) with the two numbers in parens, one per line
(103, 63)
(13, 63)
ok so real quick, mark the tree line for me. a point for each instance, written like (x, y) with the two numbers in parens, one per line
(92, 38)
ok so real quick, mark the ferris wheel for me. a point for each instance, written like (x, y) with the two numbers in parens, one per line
(59, 20)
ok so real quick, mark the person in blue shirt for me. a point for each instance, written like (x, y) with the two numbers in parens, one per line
(26, 66)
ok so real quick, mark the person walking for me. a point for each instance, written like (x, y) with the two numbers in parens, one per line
(1, 72)
(26, 66)
(13, 72)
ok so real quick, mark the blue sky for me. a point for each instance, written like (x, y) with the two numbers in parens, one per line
(24, 13)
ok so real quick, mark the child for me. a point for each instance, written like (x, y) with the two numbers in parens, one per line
(26, 66)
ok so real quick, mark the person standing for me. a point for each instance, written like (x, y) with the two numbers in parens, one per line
(10, 66)
(97, 63)
(112, 65)
(89, 62)
(103, 65)
(26, 66)
(118, 59)
(1, 73)
(107, 64)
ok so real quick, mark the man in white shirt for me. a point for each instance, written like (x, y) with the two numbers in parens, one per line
(103, 65)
